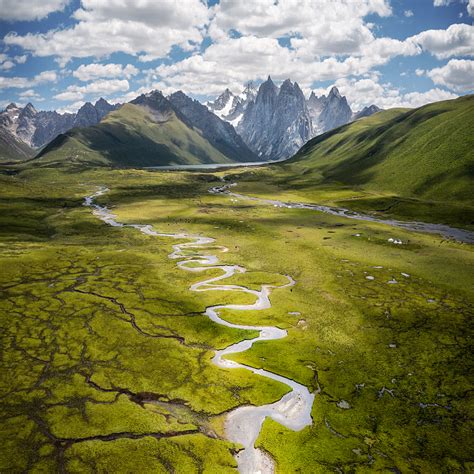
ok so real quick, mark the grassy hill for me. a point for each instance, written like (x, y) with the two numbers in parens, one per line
(134, 135)
(426, 152)
(411, 163)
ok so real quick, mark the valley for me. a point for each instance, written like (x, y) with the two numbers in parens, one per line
(236, 237)
(110, 356)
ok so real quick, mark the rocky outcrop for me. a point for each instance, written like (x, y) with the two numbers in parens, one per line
(334, 111)
(277, 123)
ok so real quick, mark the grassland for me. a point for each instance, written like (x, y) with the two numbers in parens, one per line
(107, 355)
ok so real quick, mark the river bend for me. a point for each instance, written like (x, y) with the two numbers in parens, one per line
(244, 423)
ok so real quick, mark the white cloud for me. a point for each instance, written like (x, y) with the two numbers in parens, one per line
(340, 43)
(419, 72)
(94, 71)
(457, 40)
(71, 108)
(21, 59)
(417, 99)
(30, 94)
(442, 3)
(105, 87)
(458, 75)
(69, 95)
(25, 82)
(28, 10)
(470, 8)
(316, 28)
(306, 40)
(364, 92)
(301, 17)
(134, 94)
(6, 65)
(151, 27)
(230, 62)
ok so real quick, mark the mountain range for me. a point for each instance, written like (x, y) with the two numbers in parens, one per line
(259, 124)
(151, 130)
(276, 121)
(24, 129)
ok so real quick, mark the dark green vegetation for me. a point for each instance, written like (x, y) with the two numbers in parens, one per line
(413, 164)
(106, 364)
(12, 149)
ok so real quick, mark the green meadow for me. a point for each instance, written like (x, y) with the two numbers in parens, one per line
(107, 355)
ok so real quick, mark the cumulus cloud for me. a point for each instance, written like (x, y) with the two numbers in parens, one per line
(25, 82)
(315, 28)
(28, 10)
(306, 40)
(291, 17)
(470, 8)
(339, 44)
(120, 26)
(458, 75)
(88, 72)
(364, 92)
(457, 40)
(230, 62)
(105, 87)
(30, 94)
(7, 63)
(71, 108)
(20, 59)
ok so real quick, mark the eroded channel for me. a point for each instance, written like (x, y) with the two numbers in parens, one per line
(243, 424)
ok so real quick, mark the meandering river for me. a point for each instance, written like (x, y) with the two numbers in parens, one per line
(243, 424)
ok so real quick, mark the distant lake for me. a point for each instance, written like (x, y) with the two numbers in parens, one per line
(211, 166)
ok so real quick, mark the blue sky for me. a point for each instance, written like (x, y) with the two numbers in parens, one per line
(58, 54)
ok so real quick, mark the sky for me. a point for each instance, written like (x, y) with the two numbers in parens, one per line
(59, 54)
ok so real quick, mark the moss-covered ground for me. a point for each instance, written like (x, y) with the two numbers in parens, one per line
(106, 354)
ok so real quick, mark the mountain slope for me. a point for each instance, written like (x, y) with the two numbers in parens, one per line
(149, 131)
(424, 152)
(13, 149)
(230, 107)
(219, 133)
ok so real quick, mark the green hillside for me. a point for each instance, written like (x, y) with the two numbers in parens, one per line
(132, 136)
(425, 152)
(404, 163)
